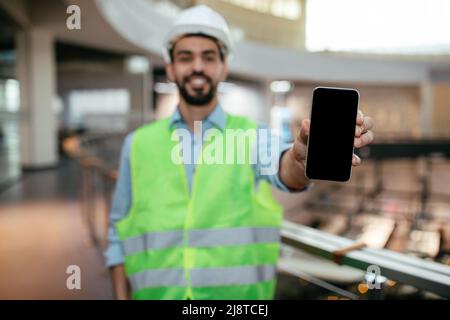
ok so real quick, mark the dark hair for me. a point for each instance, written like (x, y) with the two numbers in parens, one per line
(222, 49)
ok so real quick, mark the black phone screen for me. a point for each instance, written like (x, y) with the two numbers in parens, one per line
(332, 133)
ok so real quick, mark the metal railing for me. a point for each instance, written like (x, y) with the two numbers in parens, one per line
(97, 156)
(427, 275)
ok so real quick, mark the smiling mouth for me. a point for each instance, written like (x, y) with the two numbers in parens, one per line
(197, 82)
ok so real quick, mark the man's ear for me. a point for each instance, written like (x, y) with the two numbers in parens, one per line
(169, 72)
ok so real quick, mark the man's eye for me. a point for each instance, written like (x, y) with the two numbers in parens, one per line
(184, 58)
(210, 58)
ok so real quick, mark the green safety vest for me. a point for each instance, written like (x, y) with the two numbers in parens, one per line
(220, 242)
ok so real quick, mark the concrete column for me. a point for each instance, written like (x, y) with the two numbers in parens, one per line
(141, 94)
(36, 75)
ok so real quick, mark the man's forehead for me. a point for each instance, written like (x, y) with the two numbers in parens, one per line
(196, 43)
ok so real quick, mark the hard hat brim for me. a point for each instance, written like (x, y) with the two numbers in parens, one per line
(182, 30)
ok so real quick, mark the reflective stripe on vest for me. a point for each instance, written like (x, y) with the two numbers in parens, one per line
(231, 275)
(204, 277)
(153, 240)
(201, 238)
(157, 278)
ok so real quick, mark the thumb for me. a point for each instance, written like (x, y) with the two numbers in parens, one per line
(304, 131)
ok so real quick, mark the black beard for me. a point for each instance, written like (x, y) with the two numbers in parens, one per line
(199, 99)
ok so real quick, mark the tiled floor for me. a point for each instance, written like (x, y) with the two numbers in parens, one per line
(41, 234)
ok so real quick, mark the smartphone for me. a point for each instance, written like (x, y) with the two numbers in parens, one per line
(332, 134)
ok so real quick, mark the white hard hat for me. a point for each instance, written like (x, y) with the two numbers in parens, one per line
(199, 19)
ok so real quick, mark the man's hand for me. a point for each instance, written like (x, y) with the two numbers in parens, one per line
(120, 283)
(363, 134)
(293, 162)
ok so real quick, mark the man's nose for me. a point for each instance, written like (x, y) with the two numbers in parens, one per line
(198, 64)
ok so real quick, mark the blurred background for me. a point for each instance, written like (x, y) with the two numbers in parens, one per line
(69, 94)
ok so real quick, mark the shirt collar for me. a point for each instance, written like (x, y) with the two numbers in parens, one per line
(217, 118)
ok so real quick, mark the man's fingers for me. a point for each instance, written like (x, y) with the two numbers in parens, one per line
(364, 139)
(364, 126)
(304, 131)
(367, 124)
(356, 161)
(360, 118)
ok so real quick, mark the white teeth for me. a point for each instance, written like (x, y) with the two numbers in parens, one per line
(198, 81)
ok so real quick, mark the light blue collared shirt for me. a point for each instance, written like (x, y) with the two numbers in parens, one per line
(121, 202)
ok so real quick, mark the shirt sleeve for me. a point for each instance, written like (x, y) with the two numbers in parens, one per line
(270, 147)
(120, 206)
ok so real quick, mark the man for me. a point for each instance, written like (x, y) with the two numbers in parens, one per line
(199, 230)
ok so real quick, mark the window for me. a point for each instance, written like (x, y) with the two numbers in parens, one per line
(9, 95)
(382, 26)
(99, 108)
